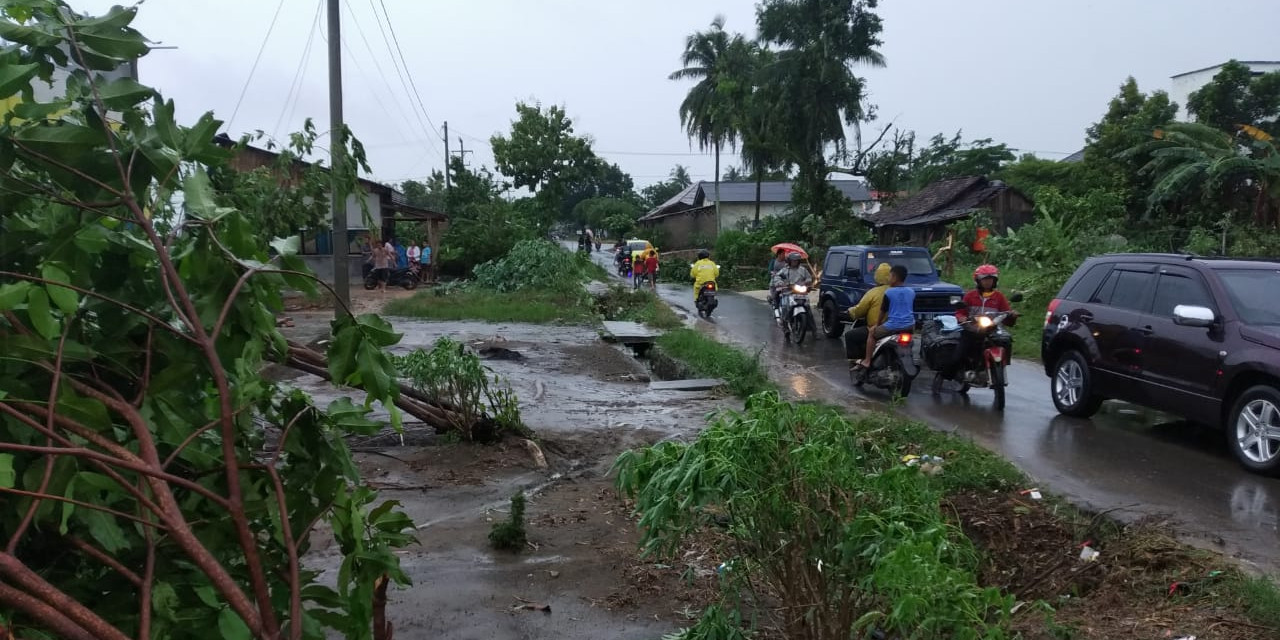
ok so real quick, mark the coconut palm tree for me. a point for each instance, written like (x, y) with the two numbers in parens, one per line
(715, 59)
(763, 150)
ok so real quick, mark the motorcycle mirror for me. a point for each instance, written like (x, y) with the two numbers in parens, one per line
(1016, 297)
(959, 304)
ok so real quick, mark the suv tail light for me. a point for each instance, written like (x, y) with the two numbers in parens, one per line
(1048, 315)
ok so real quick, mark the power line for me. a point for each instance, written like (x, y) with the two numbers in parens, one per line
(256, 60)
(392, 28)
(402, 71)
(430, 139)
(300, 74)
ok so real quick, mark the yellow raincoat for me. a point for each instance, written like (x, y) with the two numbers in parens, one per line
(702, 272)
(871, 306)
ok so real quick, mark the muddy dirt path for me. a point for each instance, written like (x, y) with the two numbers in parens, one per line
(587, 401)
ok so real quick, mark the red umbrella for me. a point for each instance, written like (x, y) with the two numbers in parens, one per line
(789, 247)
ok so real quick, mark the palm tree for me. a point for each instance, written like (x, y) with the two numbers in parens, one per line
(762, 149)
(707, 112)
(1190, 160)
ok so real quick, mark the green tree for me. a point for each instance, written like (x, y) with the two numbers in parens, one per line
(720, 63)
(764, 151)
(1237, 97)
(155, 484)
(1029, 174)
(543, 154)
(659, 192)
(818, 93)
(1128, 122)
(427, 194)
(951, 157)
(615, 215)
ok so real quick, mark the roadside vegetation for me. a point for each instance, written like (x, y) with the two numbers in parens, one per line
(801, 503)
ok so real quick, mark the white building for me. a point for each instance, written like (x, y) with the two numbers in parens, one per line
(1183, 85)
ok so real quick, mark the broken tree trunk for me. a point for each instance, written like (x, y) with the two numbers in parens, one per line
(441, 416)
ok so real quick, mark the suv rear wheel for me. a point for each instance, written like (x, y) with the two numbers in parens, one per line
(831, 324)
(1072, 386)
(1253, 429)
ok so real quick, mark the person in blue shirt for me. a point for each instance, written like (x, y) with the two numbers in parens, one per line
(402, 255)
(900, 315)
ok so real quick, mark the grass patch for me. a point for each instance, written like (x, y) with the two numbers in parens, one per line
(706, 357)
(625, 304)
(1259, 597)
(530, 306)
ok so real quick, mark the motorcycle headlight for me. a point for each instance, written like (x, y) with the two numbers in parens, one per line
(800, 289)
(955, 300)
(984, 322)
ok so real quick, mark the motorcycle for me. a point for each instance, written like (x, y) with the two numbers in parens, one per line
(793, 313)
(706, 302)
(407, 277)
(893, 365)
(624, 267)
(988, 370)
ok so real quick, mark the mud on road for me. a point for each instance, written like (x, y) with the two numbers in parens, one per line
(587, 402)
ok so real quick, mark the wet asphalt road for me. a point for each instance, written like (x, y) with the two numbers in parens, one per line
(1126, 460)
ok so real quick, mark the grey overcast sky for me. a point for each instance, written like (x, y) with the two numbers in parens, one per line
(1030, 73)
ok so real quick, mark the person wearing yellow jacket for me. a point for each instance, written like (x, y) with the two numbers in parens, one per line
(703, 271)
(871, 308)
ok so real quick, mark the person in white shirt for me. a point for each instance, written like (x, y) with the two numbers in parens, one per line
(415, 254)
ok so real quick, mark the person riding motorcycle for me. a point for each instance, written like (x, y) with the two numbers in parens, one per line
(869, 308)
(793, 273)
(983, 300)
(702, 272)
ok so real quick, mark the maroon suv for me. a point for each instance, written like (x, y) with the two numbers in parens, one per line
(1196, 337)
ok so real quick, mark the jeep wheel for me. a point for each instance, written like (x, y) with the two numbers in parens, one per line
(832, 327)
(1253, 429)
(1072, 386)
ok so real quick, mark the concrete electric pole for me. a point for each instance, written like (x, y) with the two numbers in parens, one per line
(337, 200)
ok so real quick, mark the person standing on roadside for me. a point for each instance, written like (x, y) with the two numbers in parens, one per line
(382, 261)
(651, 269)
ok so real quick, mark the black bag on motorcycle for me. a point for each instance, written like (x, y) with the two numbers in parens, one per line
(938, 347)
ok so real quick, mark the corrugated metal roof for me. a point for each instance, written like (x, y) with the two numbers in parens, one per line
(703, 193)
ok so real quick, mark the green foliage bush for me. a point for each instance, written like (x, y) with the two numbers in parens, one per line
(453, 375)
(509, 534)
(535, 264)
(823, 519)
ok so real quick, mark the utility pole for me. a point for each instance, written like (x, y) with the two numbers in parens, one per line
(463, 151)
(448, 188)
(337, 199)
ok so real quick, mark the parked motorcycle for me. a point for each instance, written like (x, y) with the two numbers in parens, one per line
(793, 313)
(893, 365)
(407, 277)
(706, 302)
(987, 369)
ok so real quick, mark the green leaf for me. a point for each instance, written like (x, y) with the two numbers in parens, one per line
(198, 195)
(120, 44)
(287, 246)
(62, 134)
(209, 596)
(67, 507)
(231, 627)
(166, 125)
(7, 475)
(378, 330)
(66, 299)
(92, 238)
(41, 315)
(123, 93)
(104, 529)
(25, 35)
(12, 295)
(15, 77)
(117, 17)
(375, 370)
(164, 601)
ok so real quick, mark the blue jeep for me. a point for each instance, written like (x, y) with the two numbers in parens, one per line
(849, 272)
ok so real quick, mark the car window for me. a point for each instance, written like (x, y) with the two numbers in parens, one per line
(1087, 285)
(852, 265)
(835, 263)
(1174, 289)
(1252, 293)
(917, 262)
(1126, 290)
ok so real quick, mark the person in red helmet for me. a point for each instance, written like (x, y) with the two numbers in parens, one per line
(983, 300)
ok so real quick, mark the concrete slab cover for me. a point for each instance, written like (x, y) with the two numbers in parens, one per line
(629, 332)
(701, 384)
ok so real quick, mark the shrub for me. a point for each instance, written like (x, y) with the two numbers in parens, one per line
(454, 376)
(534, 264)
(509, 535)
(823, 519)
